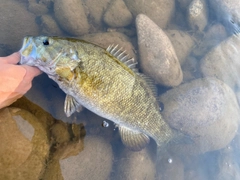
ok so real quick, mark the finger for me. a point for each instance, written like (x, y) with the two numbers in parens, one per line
(11, 59)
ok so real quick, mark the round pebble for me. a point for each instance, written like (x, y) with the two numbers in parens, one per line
(182, 43)
(197, 15)
(24, 145)
(160, 11)
(228, 12)
(16, 22)
(205, 111)
(157, 55)
(117, 14)
(71, 16)
(222, 62)
(94, 162)
(135, 165)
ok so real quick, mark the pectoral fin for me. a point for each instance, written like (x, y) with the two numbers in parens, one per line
(134, 140)
(71, 105)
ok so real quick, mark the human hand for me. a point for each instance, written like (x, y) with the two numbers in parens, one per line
(15, 80)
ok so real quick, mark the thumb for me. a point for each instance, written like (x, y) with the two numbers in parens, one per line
(31, 72)
(11, 59)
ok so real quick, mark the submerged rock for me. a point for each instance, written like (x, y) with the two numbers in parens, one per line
(228, 12)
(94, 162)
(157, 55)
(24, 146)
(182, 43)
(117, 14)
(106, 39)
(170, 167)
(135, 165)
(96, 9)
(222, 62)
(16, 22)
(49, 26)
(71, 16)
(160, 11)
(198, 15)
(206, 111)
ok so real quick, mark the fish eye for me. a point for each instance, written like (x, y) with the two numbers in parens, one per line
(45, 42)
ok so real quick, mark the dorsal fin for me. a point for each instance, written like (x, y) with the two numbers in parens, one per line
(122, 56)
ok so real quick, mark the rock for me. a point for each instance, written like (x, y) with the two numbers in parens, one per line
(222, 62)
(49, 26)
(206, 111)
(182, 43)
(37, 7)
(160, 11)
(157, 55)
(170, 167)
(96, 9)
(184, 3)
(63, 148)
(228, 166)
(215, 35)
(117, 14)
(24, 145)
(190, 69)
(16, 22)
(94, 162)
(227, 11)
(135, 165)
(109, 38)
(71, 16)
(197, 15)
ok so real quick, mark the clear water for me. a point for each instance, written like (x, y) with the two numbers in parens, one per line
(177, 163)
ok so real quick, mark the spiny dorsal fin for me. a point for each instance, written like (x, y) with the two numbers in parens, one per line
(122, 56)
(134, 140)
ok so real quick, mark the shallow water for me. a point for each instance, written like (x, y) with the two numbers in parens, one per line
(206, 42)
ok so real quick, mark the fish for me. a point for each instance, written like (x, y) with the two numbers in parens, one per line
(105, 81)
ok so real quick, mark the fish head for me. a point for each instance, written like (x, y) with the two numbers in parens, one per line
(49, 54)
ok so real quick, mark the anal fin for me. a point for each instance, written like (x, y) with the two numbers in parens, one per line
(132, 139)
(71, 105)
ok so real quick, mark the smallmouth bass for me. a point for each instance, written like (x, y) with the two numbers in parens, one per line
(105, 81)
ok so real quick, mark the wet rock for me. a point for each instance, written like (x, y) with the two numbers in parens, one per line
(190, 69)
(228, 166)
(94, 162)
(37, 7)
(222, 62)
(215, 35)
(170, 167)
(197, 15)
(109, 38)
(182, 43)
(71, 16)
(16, 22)
(135, 165)
(117, 14)
(96, 9)
(205, 111)
(157, 55)
(227, 11)
(159, 11)
(24, 145)
(67, 140)
(49, 26)
(184, 3)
